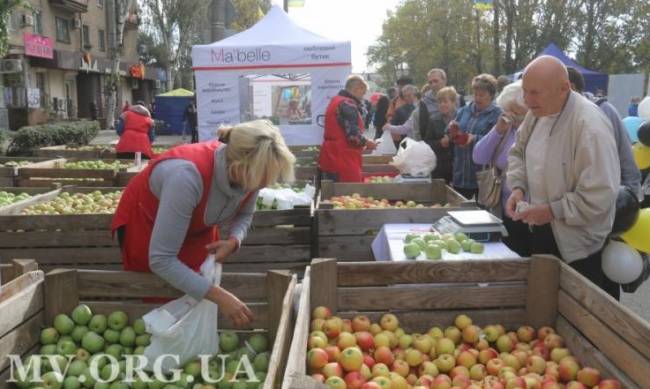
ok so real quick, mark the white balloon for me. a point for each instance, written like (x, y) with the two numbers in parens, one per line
(644, 108)
(621, 263)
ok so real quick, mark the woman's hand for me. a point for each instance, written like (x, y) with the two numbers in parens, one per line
(236, 311)
(444, 141)
(504, 123)
(222, 248)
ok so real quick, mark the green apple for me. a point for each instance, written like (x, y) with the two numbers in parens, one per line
(409, 237)
(155, 384)
(66, 347)
(78, 333)
(127, 337)
(71, 382)
(231, 366)
(48, 349)
(411, 250)
(92, 342)
(119, 385)
(241, 384)
(139, 350)
(460, 237)
(466, 245)
(429, 237)
(112, 336)
(86, 379)
(139, 383)
(420, 242)
(226, 382)
(82, 354)
(49, 336)
(433, 252)
(259, 342)
(108, 371)
(54, 360)
(102, 385)
(193, 368)
(143, 340)
(477, 248)
(117, 320)
(98, 324)
(453, 246)
(115, 350)
(228, 341)
(66, 337)
(261, 362)
(99, 359)
(77, 368)
(139, 327)
(63, 324)
(82, 315)
(52, 380)
(128, 351)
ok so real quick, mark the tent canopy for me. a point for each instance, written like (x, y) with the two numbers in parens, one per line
(239, 74)
(594, 80)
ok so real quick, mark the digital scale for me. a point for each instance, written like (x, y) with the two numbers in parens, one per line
(479, 225)
(409, 178)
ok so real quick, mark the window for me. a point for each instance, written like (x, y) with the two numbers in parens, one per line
(12, 21)
(102, 40)
(40, 84)
(62, 30)
(38, 23)
(100, 3)
(86, 36)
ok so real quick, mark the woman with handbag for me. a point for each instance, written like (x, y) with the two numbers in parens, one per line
(492, 152)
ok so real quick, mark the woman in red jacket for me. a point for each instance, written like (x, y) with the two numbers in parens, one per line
(135, 129)
(167, 219)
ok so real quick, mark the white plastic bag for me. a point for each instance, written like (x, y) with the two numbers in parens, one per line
(184, 327)
(386, 145)
(414, 158)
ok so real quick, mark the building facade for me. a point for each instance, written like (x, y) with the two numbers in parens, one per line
(59, 64)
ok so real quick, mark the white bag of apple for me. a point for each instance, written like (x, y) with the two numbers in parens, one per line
(386, 145)
(414, 158)
(184, 327)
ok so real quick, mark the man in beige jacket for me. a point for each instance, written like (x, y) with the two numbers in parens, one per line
(565, 163)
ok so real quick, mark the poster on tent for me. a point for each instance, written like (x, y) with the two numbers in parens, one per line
(294, 99)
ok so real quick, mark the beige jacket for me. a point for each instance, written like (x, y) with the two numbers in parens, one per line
(582, 175)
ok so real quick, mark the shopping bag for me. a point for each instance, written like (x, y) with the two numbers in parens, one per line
(386, 145)
(184, 327)
(414, 158)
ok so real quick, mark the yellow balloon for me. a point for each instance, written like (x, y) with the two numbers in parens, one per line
(641, 155)
(638, 235)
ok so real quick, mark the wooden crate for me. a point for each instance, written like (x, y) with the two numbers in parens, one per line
(30, 191)
(62, 151)
(347, 234)
(80, 241)
(540, 291)
(302, 151)
(377, 159)
(49, 173)
(16, 268)
(32, 301)
(8, 174)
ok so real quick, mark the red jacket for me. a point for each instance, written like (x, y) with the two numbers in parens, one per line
(136, 134)
(138, 208)
(336, 154)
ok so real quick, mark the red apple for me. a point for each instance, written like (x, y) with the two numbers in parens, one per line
(462, 321)
(466, 358)
(536, 364)
(316, 358)
(461, 381)
(542, 332)
(389, 322)
(553, 341)
(558, 353)
(549, 384)
(380, 370)
(333, 327)
(494, 365)
(345, 340)
(505, 343)
(335, 382)
(368, 360)
(458, 370)
(317, 324)
(316, 342)
(414, 357)
(351, 359)
(319, 378)
(442, 381)
(381, 339)
(423, 343)
(471, 334)
(428, 368)
(589, 376)
(485, 355)
(354, 380)
(568, 369)
(454, 334)
(384, 355)
(347, 325)
(491, 333)
(525, 334)
(445, 346)
(575, 385)
(365, 340)
(333, 353)
(445, 363)
(360, 323)
(482, 344)
(384, 382)
(609, 384)
(516, 383)
(370, 385)
(332, 369)
(321, 313)
(401, 367)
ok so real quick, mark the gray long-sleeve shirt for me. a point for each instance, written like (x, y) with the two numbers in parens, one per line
(179, 187)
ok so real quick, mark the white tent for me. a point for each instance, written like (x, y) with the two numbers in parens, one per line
(265, 69)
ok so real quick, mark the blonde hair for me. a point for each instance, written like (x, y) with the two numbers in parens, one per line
(353, 81)
(257, 155)
(449, 93)
(485, 82)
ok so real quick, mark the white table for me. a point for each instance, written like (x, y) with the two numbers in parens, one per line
(388, 245)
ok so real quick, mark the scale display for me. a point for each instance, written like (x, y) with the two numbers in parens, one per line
(479, 225)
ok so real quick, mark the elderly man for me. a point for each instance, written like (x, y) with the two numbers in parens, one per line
(343, 143)
(565, 161)
(425, 111)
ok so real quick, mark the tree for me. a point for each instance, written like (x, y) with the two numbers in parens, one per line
(249, 12)
(172, 24)
(6, 8)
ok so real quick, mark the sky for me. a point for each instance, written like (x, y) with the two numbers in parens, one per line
(358, 21)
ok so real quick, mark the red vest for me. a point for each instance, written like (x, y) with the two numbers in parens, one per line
(336, 154)
(138, 208)
(136, 134)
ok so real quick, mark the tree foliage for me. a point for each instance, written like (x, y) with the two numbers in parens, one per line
(609, 36)
(6, 8)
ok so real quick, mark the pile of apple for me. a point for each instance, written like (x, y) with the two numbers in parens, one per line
(159, 149)
(7, 198)
(14, 163)
(432, 244)
(76, 203)
(91, 148)
(358, 354)
(380, 180)
(77, 340)
(96, 165)
(356, 201)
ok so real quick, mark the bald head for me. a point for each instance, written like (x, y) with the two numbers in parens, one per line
(546, 86)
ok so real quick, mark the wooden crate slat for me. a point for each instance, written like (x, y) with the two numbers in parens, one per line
(35, 183)
(443, 296)
(422, 321)
(268, 253)
(100, 267)
(588, 355)
(35, 239)
(296, 366)
(418, 192)
(14, 287)
(23, 305)
(619, 318)
(66, 255)
(136, 310)
(278, 236)
(618, 350)
(107, 284)
(48, 222)
(543, 286)
(296, 267)
(282, 331)
(30, 173)
(21, 339)
(346, 248)
(296, 216)
(407, 272)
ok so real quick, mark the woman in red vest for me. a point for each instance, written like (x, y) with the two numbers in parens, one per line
(135, 129)
(168, 215)
(343, 143)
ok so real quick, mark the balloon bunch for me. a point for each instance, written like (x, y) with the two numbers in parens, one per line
(639, 130)
(623, 261)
